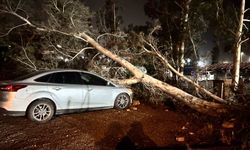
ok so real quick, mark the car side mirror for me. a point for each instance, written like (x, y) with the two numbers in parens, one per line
(109, 84)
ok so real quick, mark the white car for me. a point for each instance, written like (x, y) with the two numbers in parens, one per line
(43, 94)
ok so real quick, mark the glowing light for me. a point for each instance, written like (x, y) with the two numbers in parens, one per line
(59, 46)
(241, 56)
(60, 57)
(201, 63)
(188, 60)
(66, 60)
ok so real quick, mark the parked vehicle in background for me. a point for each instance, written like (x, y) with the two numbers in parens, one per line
(43, 94)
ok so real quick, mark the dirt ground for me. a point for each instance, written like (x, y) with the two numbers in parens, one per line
(142, 127)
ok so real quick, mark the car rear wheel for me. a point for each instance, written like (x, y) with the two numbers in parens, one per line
(41, 111)
(122, 101)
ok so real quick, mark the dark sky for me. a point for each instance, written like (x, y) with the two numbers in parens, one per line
(132, 11)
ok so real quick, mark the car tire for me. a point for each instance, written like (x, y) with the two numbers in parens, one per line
(41, 111)
(122, 101)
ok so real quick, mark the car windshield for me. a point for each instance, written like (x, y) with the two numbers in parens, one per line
(28, 75)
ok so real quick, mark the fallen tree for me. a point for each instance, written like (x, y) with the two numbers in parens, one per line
(199, 104)
(188, 99)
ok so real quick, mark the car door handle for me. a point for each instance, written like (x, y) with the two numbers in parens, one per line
(57, 88)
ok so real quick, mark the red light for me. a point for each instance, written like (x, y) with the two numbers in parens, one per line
(12, 88)
(6, 88)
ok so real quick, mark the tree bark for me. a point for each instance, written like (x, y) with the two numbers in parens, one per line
(184, 26)
(237, 49)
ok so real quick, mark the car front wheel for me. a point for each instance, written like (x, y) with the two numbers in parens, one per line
(122, 101)
(41, 111)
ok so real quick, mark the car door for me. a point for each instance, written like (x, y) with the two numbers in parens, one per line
(68, 90)
(100, 93)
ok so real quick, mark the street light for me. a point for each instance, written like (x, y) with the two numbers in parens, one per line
(201, 63)
(241, 56)
(188, 60)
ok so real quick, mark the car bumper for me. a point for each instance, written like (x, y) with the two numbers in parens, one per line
(11, 113)
(13, 106)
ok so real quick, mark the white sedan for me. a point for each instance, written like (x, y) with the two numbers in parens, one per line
(43, 94)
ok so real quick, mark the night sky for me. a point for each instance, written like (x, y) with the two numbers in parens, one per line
(132, 11)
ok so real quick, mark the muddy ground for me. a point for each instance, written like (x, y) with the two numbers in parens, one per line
(142, 127)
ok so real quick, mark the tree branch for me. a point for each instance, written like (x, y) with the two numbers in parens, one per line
(246, 20)
(55, 5)
(244, 25)
(192, 41)
(182, 76)
(22, 62)
(190, 81)
(110, 34)
(81, 52)
(25, 53)
(246, 10)
(13, 29)
(129, 81)
(78, 36)
(52, 45)
(244, 41)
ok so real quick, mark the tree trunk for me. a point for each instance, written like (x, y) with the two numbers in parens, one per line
(194, 102)
(237, 49)
(184, 26)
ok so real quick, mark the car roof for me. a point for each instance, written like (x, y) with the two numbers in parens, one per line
(61, 70)
(40, 73)
(32, 76)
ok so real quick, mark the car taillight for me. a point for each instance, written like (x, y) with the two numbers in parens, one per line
(12, 88)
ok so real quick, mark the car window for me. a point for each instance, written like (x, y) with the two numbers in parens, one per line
(45, 78)
(93, 80)
(66, 78)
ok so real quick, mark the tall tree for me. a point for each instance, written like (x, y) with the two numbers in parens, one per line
(108, 18)
(237, 47)
(183, 34)
(182, 25)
